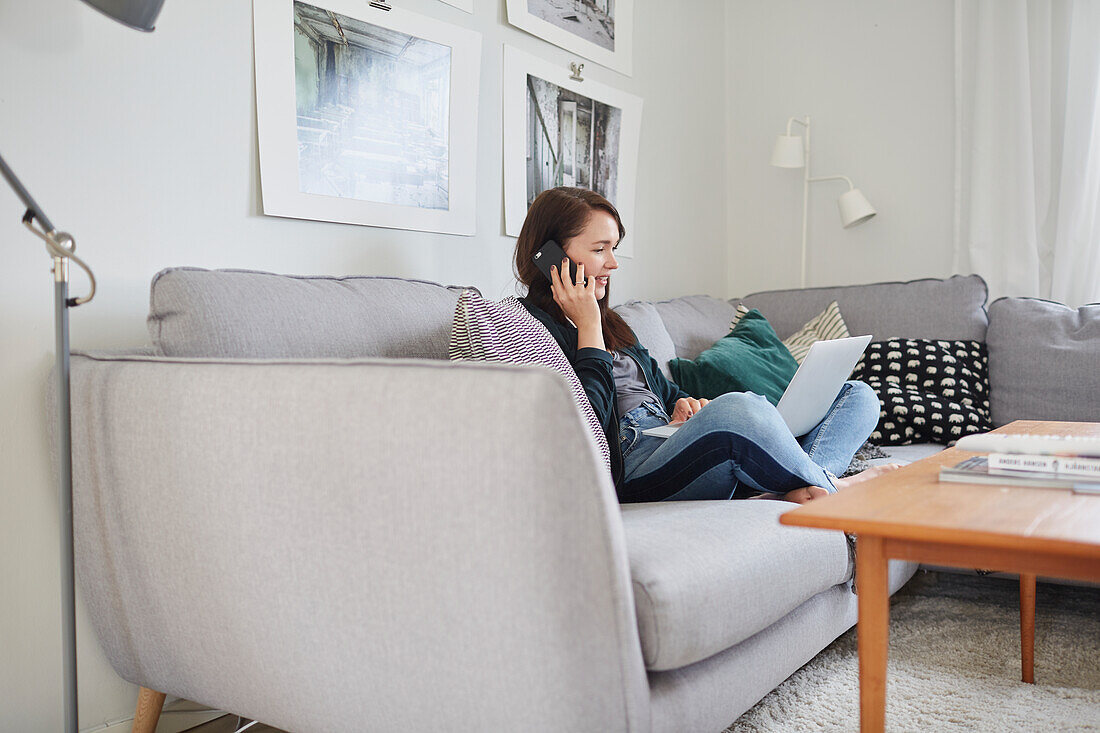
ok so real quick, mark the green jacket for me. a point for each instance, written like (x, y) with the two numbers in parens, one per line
(593, 368)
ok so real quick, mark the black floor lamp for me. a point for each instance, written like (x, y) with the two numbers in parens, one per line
(139, 14)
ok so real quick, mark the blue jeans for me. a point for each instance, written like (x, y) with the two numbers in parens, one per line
(738, 445)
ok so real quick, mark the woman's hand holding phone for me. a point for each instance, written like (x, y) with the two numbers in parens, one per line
(578, 302)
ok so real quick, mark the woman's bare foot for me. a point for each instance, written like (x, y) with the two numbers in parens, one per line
(798, 496)
(870, 473)
(809, 493)
(803, 495)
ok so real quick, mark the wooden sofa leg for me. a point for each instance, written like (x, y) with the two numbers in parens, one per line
(149, 705)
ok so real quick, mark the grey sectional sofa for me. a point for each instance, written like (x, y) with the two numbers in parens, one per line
(294, 508)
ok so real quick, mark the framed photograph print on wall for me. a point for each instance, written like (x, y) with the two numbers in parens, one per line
(561, 132)
(601, 30)
(366, 116)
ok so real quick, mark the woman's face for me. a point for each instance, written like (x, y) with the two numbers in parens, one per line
(595, 248)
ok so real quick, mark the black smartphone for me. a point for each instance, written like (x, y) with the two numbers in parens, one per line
(551, 253)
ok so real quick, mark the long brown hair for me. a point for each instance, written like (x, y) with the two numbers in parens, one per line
(561, 214)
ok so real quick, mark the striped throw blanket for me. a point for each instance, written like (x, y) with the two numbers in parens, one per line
(504, 331)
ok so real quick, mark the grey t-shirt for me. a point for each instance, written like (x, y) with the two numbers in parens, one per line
(630, 387)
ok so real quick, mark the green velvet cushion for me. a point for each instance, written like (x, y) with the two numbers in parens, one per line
(751, 358)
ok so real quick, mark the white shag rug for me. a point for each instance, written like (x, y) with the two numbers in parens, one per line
(955, 665)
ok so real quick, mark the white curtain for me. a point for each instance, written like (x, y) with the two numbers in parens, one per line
(1027, 142)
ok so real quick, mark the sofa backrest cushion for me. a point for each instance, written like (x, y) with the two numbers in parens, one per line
(247, 314)
(1044, 361)
(694, 322)
(950, 309)
(643, 319)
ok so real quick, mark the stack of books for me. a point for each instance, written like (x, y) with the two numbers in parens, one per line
(1043, 468)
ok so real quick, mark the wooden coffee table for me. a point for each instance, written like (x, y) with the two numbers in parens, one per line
(909, 515)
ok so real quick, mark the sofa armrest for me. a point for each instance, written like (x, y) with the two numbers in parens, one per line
(355, 545)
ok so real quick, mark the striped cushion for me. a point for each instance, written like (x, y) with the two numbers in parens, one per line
(505, 332)
(828, 324)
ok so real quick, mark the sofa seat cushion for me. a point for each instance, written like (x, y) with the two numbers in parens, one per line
(260, 315)
(1044, 361)
(906, 454)
(709, 574)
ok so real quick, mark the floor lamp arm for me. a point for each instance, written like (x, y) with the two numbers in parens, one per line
(59, 245)
(846, 179)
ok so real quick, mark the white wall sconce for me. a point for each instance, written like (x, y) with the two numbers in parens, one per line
(793, 151)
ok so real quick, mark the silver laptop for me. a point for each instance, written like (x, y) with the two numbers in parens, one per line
(814, 387)
(818, 380)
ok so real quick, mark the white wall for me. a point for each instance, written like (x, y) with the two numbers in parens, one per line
(876, 77)
(143, 146)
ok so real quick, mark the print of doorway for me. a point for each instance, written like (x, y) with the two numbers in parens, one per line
(563, 147)
(575, 143)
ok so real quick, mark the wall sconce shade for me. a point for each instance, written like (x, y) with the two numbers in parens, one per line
(854, 208)
(788, 152)
(137, 14)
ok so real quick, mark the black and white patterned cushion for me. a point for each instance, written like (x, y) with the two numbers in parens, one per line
(929, 391)
(504, 331)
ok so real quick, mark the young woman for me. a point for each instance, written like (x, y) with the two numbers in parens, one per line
(735, 446)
